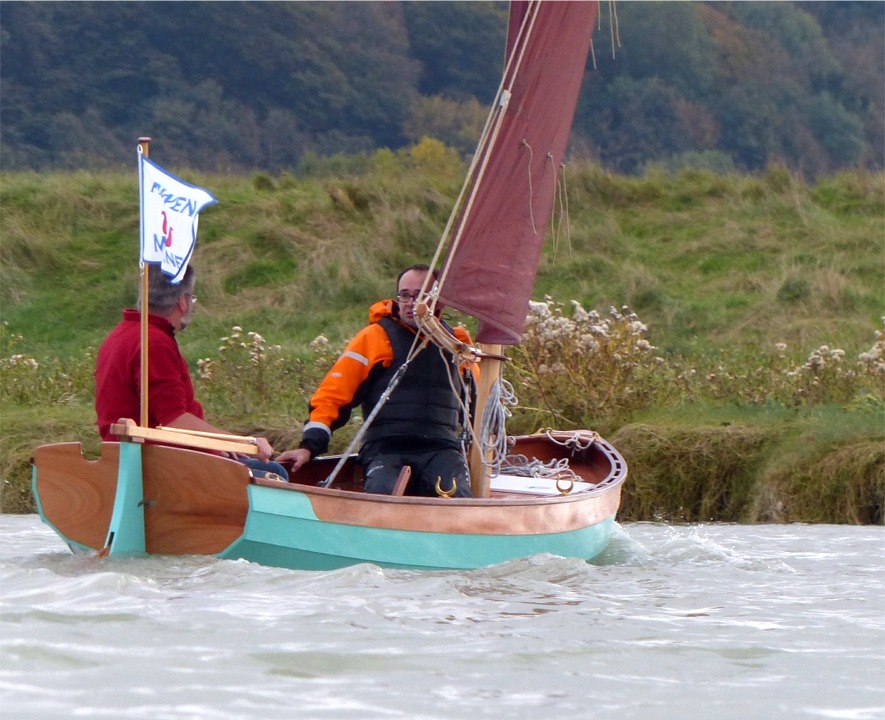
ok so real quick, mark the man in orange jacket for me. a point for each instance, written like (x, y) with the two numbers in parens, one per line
(420, 424)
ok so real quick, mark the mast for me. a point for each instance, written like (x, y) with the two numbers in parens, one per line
(144, 143)
(166, 204)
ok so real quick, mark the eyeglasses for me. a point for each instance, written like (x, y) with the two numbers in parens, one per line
(192, 298)
(407, 297)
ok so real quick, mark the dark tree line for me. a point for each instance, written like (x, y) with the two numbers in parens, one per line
(741, 84)
(245, 85)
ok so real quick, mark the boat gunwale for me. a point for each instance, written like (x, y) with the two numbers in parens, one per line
(613, 480)
(503, 498)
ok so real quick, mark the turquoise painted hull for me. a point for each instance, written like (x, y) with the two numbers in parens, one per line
(157, 500)
(285, 532)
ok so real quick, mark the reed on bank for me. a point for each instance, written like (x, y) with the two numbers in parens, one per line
(577, 371)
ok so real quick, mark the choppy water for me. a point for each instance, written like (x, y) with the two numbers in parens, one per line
(708, 621)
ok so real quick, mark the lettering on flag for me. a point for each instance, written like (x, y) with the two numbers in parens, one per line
(170, 210)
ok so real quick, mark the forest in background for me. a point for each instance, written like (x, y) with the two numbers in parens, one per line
(240, 86)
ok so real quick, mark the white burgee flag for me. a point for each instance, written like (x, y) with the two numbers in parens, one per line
(169, 213)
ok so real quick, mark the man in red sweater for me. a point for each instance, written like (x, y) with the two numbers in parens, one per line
(171, 400)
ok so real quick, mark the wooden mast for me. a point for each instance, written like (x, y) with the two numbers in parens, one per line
(145, 144)
(489, 373)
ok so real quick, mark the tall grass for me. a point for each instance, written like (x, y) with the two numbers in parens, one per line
(760, 301)
(602, 369)
(589, 371)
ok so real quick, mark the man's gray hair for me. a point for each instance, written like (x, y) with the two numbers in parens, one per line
(162, 295)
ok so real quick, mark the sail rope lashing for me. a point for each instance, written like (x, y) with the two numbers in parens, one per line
(564, 205)
(431, 326)
(614, 30)
(525, 143)
(475, 173)
(560, 193)
(555, 219)
(555, 222)
(614, 26)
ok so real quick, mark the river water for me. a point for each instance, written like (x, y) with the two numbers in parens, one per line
(672, 622)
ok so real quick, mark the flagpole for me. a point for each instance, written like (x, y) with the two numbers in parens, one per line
(145, 144)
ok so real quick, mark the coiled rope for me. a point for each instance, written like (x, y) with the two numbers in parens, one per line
(492, 439)
(495, 443)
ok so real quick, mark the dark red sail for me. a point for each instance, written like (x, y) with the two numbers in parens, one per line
(490, 269)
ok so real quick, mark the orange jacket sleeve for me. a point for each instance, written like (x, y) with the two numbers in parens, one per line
(344, 385)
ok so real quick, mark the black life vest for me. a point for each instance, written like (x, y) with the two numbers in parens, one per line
(423, 405)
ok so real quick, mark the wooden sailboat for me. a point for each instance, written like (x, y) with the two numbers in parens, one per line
(170, 499)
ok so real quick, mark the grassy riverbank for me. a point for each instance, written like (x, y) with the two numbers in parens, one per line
(743, 381)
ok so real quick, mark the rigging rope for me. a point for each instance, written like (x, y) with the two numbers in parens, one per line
(614, 25)
(575, 442)
(492, 439)
(568, 226)
(525, 143)
(560, 194)
(555, 221)
(494, 442)
(455, 366)
(556, 468)
(394, 381)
